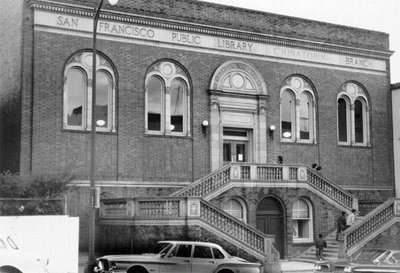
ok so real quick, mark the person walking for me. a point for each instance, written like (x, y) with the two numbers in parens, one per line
(320, 244)
(351, 218)
(341, 224)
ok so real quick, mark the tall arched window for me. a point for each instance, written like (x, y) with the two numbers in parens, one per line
(302, 221)
(78, 93)
(297, 111)
(353, 115)
(167, 100)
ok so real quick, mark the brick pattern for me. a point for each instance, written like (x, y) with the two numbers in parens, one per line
(250, 20)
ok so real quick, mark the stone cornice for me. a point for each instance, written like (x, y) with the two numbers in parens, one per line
(207, 30)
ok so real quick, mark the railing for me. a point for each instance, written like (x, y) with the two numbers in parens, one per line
(331, 190)
(207, 184)
(377, 218)
(268, 173)
(187, 209)
(238, 230)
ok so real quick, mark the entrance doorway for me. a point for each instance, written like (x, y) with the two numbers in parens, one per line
(235, 145)
(270, 221)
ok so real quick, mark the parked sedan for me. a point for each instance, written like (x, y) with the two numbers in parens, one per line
(368, 260)
(178, 257)
(12, 259)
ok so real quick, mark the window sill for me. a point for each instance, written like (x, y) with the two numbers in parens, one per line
(166, 135)
(70, 130)
(303, 241)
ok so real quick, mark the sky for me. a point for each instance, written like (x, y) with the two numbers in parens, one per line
(380, 15)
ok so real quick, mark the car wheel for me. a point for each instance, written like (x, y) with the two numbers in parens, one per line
(137, 269)
(9, 269)
(225, 271)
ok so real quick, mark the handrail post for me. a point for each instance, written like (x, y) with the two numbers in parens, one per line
(253, 172)
(235, 172)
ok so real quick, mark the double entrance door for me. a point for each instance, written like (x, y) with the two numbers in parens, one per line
(235, 145)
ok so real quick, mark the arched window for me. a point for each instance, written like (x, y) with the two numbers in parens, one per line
(302, 221)
(235, 208)
(78, 94)
(297, 111)
(353, 115)
(167, 100)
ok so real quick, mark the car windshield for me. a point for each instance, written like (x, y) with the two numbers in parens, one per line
(161, 248)
(12, 243)
(369, 255)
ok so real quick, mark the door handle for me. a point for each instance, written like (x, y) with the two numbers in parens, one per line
(211, 262)
(186, 261)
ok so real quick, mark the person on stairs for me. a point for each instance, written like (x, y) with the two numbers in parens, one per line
(320, 244)
(341, 224)
(351, 218)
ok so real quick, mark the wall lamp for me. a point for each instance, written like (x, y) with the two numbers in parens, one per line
(271, 131)
(204, 126)
(316, 167)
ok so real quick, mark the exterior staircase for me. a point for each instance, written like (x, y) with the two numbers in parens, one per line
(191, 206)
(331, 252)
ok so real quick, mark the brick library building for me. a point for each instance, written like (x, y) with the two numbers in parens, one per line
(250, 129)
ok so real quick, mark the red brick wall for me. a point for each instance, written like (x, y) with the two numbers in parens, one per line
(250, 20)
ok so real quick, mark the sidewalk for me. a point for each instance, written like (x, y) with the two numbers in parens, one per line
(296, 266)
(83, 259)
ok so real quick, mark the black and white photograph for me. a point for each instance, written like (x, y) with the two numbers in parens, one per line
(199, 136)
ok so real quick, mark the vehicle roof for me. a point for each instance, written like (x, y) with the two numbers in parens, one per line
(190, 242)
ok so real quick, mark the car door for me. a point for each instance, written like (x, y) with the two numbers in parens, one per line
(202, 260)
(178, 259)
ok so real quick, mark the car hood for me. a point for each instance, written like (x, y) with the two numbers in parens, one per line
(239, 260)
(131, 257)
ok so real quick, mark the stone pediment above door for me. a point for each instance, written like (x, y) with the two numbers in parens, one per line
(238, 77)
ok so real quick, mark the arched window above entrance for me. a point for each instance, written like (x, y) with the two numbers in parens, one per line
(238, 77)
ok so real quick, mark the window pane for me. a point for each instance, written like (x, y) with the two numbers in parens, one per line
(358, 121)
(154, 104)
(217, 253)
(342, 120)
(227, 152)
(300, 210)
(287, 105)
(103, 91)
(202, 252)
(183, 251)
(303, 228)
(76, 86)
(178, 91)
(234, 208)
(304, 116)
